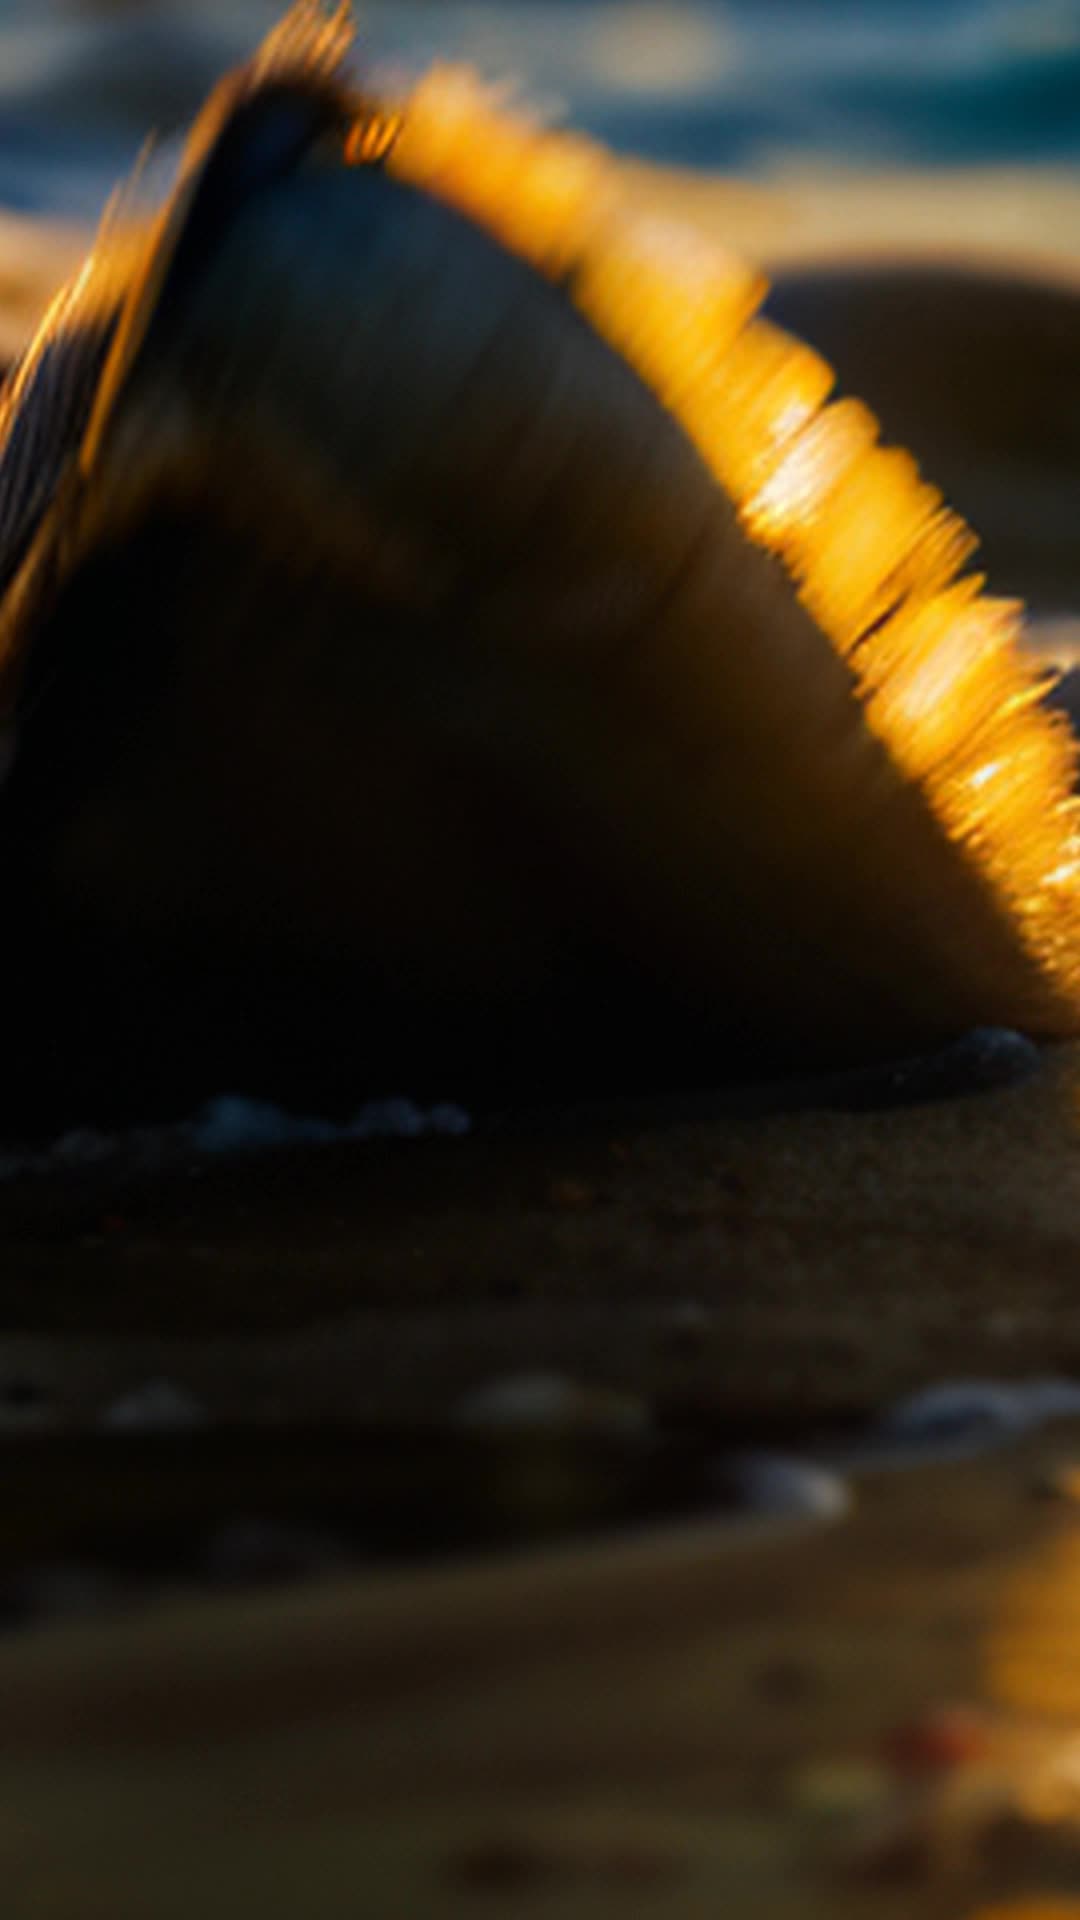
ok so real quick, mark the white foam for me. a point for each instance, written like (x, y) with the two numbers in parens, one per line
(234, 1124)
(958, 1417)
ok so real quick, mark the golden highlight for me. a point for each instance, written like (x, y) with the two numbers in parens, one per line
(312, 38)
(870, 549)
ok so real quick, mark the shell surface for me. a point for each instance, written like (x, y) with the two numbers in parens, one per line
(449, 640)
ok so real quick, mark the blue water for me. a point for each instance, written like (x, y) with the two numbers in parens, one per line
(739, 84)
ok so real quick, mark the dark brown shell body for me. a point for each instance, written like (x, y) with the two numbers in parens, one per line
(397, 701)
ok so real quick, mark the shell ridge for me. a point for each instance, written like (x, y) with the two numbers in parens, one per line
(58, 403)
(299, 63)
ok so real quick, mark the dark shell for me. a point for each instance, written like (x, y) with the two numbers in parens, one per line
(367, 638)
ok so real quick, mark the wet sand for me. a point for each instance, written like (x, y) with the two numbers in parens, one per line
(685, 1715)
(763, 1269)
(868, 1721)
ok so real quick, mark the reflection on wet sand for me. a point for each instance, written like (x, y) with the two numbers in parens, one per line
(1032, 1910)
(850, 1721)
(1033, 1654)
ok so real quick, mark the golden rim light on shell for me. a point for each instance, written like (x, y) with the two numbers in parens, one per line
(871, 550)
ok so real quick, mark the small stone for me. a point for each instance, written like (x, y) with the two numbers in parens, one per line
(770, 1484)
(938, 1742)
(156, 1407)
(972, 1412)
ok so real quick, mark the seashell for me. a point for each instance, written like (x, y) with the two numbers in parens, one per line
(449, 640)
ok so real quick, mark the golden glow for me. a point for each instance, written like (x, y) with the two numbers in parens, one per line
(1031, 1910)
(311, 36)
(760, 403)
(543, 197)
(870, 548)
(1032, 1657)
(1033, 1654)
(371, 138)
(670, 306)
(91, 295)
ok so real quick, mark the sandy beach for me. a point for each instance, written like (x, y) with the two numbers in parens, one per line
(554, 1336)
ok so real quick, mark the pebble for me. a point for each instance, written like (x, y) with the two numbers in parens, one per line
(959, 1413)
(769, 1483)
(235, 1124)
(938, 1742)
(230, 1124)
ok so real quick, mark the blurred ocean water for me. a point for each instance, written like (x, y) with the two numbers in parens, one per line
(744, 85)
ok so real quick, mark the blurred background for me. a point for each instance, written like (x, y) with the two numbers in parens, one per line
(753, 86)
